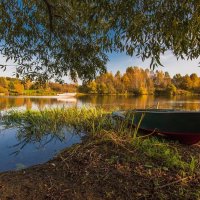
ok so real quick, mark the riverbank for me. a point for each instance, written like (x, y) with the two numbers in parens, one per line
(112, 162)
(54, 93)
(103, 170)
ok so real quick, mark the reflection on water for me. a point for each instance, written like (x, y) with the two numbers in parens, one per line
(131, 102)
(21, 102)
(121, 102)
(20, 149)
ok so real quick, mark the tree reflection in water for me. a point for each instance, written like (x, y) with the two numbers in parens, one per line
(39, 127)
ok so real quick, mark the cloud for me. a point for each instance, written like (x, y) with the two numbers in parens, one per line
(11, 68)
(169, 61)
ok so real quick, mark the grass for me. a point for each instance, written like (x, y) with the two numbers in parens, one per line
(52, 120)
(167, 156)
(39, 92)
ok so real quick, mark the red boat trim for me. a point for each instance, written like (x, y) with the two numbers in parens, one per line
(169, 133)
(186, 138)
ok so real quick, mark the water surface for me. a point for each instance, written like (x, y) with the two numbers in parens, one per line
(122, 102)
(17, 151)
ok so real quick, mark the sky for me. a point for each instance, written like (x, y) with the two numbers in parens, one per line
(171, 64)
(120, 61)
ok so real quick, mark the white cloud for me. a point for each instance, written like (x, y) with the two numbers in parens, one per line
(169, 61)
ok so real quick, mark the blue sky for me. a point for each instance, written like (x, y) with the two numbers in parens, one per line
(120, 61)
(171, 64)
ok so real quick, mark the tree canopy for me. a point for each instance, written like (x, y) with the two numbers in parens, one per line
(53, 38)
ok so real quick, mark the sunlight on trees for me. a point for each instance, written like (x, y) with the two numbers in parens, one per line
(141, 82)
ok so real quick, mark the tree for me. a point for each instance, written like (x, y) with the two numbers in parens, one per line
(171, 90)
(3, 90)
(92, 87)
(56, 87)
(195, 81)
(118, 84)
(118, 75)
(39, 42)
(11, 86)
(177, 80)
(159, 79)
(19, 88)
(142, 91)
(187, 83)
(59, 37)
(3, 82)
(167, 79)
(27, 83)
(102, 88)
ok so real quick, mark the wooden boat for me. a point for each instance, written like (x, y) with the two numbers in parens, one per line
(181, 125)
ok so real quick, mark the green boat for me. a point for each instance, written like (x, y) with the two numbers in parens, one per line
(181, 125)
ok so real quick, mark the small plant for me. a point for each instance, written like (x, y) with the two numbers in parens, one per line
(193, 164)
(168, 155)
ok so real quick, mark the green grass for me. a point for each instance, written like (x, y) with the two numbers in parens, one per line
(167, 156)
(53, 121)
(98, 125)
(39, 92)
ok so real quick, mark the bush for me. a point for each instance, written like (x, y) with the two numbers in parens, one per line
(171, 90)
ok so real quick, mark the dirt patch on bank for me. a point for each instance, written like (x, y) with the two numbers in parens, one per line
(102, 170)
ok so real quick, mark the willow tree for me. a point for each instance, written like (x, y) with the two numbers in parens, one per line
(52, 38)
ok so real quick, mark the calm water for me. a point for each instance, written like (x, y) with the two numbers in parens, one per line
(118, 102)
(17, 152)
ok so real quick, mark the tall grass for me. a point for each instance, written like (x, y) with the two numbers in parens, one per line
(90, 120)
(52, 121)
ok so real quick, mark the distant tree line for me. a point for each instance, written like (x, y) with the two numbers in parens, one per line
(135, 80)
(14, 86)
(138, 81)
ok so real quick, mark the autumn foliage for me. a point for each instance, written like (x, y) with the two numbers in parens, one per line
(13, 86)
(135, 80)
(138, 81)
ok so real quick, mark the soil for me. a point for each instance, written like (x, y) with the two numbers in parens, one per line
(97, 170)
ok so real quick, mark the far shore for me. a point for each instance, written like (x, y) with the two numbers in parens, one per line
(55, 95)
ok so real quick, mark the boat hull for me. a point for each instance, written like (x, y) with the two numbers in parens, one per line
(180, 125)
